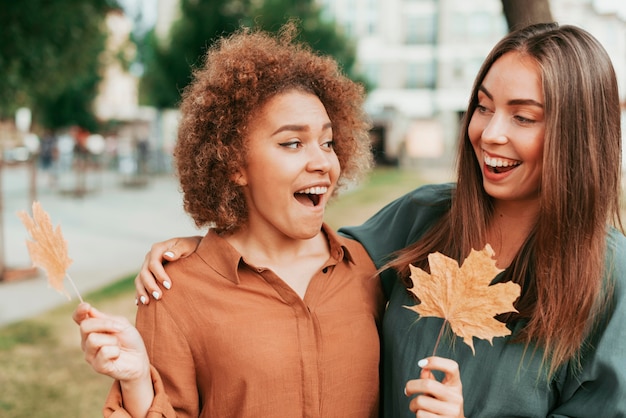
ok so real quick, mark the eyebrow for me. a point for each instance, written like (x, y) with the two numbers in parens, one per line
(299, 128)
(527, 102)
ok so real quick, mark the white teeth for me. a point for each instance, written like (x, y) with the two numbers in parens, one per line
(497, 162)
(314, 190)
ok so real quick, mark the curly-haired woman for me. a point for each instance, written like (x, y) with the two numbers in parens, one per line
(276, 315)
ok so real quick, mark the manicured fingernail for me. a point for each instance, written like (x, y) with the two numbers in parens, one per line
(136, 301)
(422, 363)
(143, 299)
(156, 295)
(168, 254)
(167, 284)
(405, 394)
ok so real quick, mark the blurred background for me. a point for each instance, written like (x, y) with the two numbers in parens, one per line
(88, 118)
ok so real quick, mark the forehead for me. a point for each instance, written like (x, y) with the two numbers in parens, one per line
(289, 95)
(514, 75)
(293, 105)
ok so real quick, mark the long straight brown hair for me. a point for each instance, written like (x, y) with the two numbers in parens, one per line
(561, 264)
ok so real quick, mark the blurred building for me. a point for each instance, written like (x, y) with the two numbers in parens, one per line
(421, 56)
(118, 93)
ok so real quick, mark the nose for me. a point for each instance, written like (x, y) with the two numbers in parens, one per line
(320, 159)
(495, 131)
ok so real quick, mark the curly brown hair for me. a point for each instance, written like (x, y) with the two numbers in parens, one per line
(241, 72)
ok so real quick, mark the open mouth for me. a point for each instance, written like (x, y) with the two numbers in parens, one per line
(310, 196)
(500, 165)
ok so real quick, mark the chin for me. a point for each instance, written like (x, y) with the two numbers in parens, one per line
(308, 233)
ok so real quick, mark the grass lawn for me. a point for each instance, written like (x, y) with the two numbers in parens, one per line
(42, 370)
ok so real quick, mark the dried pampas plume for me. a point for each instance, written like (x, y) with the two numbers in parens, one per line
(48, 248)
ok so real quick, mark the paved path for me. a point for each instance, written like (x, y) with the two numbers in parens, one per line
(108, 231)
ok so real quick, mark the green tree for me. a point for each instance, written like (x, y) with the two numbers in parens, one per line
(168, 63)
(50, 58)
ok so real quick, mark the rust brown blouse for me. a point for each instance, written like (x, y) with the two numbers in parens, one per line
(234, 340)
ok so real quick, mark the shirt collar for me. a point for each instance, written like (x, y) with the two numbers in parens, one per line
(221, 257)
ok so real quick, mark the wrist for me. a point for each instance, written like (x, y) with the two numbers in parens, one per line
(138, 394)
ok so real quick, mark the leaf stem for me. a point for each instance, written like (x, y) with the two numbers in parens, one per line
(445, 322)
(75, 288)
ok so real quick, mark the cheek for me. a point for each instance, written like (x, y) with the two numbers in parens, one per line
(533, 150)
(335, 168)
(474, 131)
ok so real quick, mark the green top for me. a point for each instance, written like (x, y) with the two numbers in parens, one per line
(502, 380)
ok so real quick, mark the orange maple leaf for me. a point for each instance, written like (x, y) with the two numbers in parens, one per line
(463, 296)
(48, 248)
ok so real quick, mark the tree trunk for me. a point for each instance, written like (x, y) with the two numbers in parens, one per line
(519, 13)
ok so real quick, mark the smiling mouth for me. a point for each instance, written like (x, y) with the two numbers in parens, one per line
(500, 165)
(310, 196)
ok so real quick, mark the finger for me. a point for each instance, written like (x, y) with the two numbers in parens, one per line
(152, 272)
(421, 386)
(432, 388)
(170, 250)
(104, 324)
(450, 368)
(104, 360)
(425, 414)
(95, 341)
(427, 406)
(109, 352)
(434, 397)
(427, 374)
(145, 284)
(181, 247)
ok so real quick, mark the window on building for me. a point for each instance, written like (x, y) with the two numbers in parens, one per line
(420, 30)
(420, 75)
(480, 25)
(372, 74)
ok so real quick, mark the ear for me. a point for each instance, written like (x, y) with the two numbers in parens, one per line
(239, 178)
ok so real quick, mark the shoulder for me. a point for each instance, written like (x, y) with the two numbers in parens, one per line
(352, 249)
(616, 258)
(402, 221)
(430, 195)
(422, 203)
(433, 193)
(616, 240)
(214, 259)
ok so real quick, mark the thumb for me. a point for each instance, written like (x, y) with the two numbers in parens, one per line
(81, 312)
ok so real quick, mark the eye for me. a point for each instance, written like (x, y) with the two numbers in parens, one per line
(523, 120)
(293, 144)
(329, 144)
(482, 109)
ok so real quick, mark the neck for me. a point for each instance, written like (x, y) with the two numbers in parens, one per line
(295, 261)
(273, 251)
(510, 226)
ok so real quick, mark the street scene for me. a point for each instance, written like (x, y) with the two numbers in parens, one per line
(108, 231)
(470, 154)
